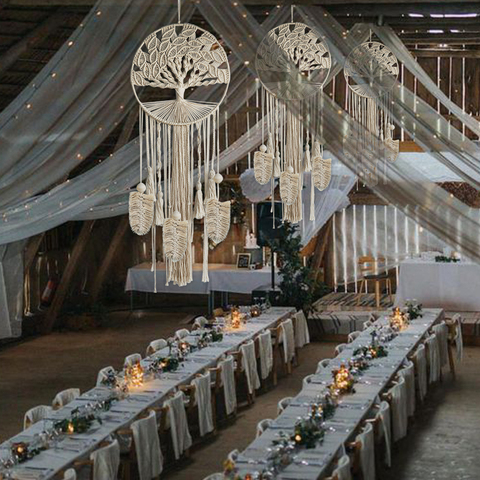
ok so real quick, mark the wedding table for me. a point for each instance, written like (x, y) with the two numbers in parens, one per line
(315, 463)
(152, 393)
(452, 286)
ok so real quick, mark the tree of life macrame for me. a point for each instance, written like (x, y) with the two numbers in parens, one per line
(292, 63)
(371, 71)
(179, 58)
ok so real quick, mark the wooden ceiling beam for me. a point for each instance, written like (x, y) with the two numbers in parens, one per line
(442, 52)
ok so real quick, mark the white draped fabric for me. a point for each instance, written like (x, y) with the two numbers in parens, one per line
(420, 362)
(106, 461)
(181, 438)
(408, 374)
(399, 404)
(433, 353)
(266, 353)
(288, 339)
(203, 399)
(367, 452)
(249, 366)
(228, 382)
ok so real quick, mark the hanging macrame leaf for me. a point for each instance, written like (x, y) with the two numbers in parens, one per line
(140, 212)
(175, 239)
(321, 171)
(263, 166)
(218, 219)
(289, 187)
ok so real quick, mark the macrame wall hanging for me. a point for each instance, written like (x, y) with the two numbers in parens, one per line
(292, 63)
(371, 71)
(172, 62)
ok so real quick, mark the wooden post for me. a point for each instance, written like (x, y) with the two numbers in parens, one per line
(31, 251)
(67, 276)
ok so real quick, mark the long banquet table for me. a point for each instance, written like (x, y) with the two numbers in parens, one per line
(152, 393)
(312, 464)
(452, 286)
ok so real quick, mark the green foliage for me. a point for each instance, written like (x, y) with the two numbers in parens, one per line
(298, 287)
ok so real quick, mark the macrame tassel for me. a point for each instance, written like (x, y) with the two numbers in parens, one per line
(312, 199)
(150, 183)
(205, 277)
(308, 161)
(217, 219)
(159, 214)
(212, 191)
(199, 211)
(141, 210)
(276, 166)
(270, 147)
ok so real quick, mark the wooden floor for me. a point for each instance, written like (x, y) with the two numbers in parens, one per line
(337, 301)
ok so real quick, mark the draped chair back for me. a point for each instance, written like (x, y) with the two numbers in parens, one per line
(65, 397)
(262, 425)
(352, 336)
(155, 345)
(283, 404)
(36, 414)
(322, 364)
(365, 452)
(421, 379)
(103, 375)
(106, 461)
(340, 348)
(132, 360)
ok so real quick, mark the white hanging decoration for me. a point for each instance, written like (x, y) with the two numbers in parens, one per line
(263, 165)
(293, 63)
(289, 186)
(175, 238)
(140, 210)
(371, 71)
(392, 146)
(179, 58)
(217, 217)
(322, 169)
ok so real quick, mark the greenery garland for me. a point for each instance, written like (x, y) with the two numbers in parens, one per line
(444, 259)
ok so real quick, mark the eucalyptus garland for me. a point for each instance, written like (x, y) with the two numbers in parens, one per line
(414, 310)
(444, 259)
(23, 451)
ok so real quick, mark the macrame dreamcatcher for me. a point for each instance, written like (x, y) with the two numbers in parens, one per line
(371, 71)
(292, 63)
(179, 58)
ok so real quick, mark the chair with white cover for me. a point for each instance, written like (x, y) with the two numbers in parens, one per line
(365, 452)
(420, 361)
(155, 346)
(283, 349)
(283, 404)
(36, 414)
(262, 425)
(408, 373)
(182, 333)
(147, 447)
(382, 428)
(343, 470)
(399, 408)
(322, 364)
(233, 455)
(441, 331)
(352, 336)
(302, 335)
(65, 397)
(458, 336)
(105, 462)
(199, 322)
(306, 380)
(132, 360)
(367, 324)
(103, 374)
(339, 348)
(177, 416)
(70, 474)
(203, 402)
(265, 351)
(227, 374)
(215, 476)
(433, 358)
(247, 368)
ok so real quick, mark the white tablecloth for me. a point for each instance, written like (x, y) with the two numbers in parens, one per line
(311, 464)
(122, 413)
(223, 278)
(452, 286)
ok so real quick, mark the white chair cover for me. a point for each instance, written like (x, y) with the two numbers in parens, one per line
(70, 474)
(441, 331)
(302, 335)
(367, 452)
(65, 397)
(288, 339)
(420, 362)
(458, 336)
(343, 470)
(384, 417)
(215, 476)
(262, 425)
(36, 414)
(307, 379)
(203, 400)
(147, 447)
(322, 364)
(132, 359)
(182, 333)
(233, 455)
(266, 353)
(228, 382)
(249, 365)
(399, 409)
(181, 438)
(106, 461)
(283, 404)
(408, 373)
(339, 348)
(352, 336)
(367, 324)
(433, 353)
(200, 322)
(102, 374)
(156, 345)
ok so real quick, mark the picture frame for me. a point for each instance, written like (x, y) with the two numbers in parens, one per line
(243, 260)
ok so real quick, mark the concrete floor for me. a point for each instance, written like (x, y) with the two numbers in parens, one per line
(442, 443)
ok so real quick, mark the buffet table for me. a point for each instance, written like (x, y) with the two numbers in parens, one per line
(152, 393)
(452, 286)
(314, 463)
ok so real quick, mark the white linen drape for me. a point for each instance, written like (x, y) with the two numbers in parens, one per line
(181, 438)
(203, 399)
(266, 353)
(228, 382)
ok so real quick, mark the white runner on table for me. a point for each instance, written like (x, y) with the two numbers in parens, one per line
(152, 393)
(310, 464)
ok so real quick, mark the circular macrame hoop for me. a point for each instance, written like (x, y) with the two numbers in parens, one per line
(292, 62)
(371, 70)
(180, 57)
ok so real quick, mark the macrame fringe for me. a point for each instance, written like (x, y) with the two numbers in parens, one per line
(140, 212)
(199, 211)
(217, 219)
